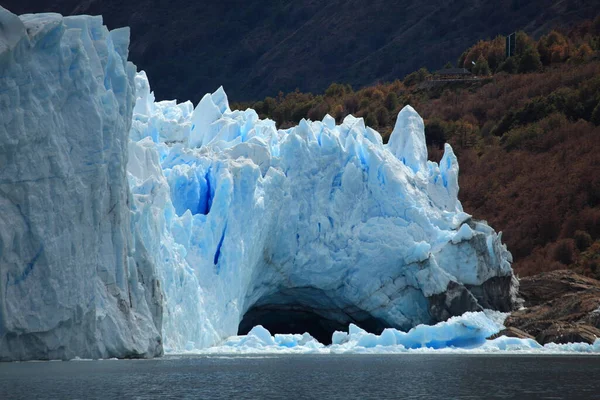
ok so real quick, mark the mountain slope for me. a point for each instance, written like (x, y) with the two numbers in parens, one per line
(255, 50)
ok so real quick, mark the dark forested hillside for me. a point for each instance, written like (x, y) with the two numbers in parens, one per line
(257, 48)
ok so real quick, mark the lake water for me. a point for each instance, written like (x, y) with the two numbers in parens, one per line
(404, 376)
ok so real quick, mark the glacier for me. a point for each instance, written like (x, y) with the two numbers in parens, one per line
(310, 228)
(75, 279)
(131, 226)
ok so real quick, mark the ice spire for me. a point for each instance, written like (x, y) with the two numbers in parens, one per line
(407, 141)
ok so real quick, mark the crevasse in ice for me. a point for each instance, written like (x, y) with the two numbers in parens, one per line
(244, 222)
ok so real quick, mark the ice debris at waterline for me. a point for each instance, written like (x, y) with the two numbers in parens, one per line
(320, 225)
(205, 222)
(462, 334)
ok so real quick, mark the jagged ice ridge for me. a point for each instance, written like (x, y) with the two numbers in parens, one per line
(321, 217)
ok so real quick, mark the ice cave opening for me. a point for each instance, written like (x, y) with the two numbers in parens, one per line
(307, 309)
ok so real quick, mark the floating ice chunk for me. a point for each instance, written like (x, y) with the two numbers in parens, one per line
(468, 330)
(339, 337)
(296, 341)
(263, 335)
(387, 338)
(504, 343)
(355, 330)
(464, 334)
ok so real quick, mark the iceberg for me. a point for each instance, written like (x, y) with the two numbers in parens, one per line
(131, 226)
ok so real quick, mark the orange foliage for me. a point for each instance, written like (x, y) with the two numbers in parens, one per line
(491, 50)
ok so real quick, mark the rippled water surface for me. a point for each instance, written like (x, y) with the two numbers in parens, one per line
(404, 376)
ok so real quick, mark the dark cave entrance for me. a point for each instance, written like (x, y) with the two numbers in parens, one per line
(309, 310)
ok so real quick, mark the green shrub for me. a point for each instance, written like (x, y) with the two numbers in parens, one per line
(337, 90)
(416, 77)
(391, 101)
(436, 132)
(510, 65)
(382, 116)
(535, 110)
(364, 103)
(481, 67)
(521, 138)
(530, 61)
(371, 120)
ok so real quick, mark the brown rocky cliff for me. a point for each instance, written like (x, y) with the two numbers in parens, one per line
(560, 307)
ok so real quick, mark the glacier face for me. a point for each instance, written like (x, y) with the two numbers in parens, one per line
(75, 279)
(110, 201)
(320, 223)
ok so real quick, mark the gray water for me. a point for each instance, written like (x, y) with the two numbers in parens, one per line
(404, 376)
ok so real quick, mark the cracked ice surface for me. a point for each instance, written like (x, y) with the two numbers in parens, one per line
(234, 212)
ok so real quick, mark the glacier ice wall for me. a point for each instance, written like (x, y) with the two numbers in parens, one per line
(110, 200)
(75, 279)
(244, 221)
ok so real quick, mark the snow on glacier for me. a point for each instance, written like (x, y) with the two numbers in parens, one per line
(238, 215)
(74, 278)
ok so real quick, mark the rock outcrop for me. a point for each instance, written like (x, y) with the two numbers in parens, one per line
(561, 307)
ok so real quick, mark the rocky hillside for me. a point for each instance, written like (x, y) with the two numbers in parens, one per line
(256, 48)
